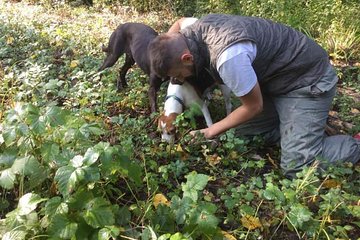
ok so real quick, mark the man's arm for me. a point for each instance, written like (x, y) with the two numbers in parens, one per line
(176, 27)
(252, 104)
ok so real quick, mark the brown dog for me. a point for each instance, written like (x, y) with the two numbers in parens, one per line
(133, 40)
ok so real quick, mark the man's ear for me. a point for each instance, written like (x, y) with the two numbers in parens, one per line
(187, 59)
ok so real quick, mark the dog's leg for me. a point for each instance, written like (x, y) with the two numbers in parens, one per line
(121, 81)
(226, 95)
(206, 113)
(155, 83)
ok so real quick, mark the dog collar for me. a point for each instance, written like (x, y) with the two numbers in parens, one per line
(177, 99)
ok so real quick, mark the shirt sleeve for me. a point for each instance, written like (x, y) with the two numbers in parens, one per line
(235, 68)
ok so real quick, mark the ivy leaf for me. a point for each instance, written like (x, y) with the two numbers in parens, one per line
(28, 203)
(299, 214)
(99, 213)
(7, 179)
(195, 182)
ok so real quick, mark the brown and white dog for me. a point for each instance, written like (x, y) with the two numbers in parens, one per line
(132, 39)
(183, 96)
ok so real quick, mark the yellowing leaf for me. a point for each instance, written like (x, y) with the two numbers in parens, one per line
(233, 155)
(10, 40)
(213, 159)
(74, 63)
(250, 222)
(331, 183)
(160, 199)
(228, 236)
(179, 148)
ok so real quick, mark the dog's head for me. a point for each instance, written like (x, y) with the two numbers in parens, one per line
(167, 127)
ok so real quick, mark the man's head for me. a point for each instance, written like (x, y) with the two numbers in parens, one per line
(170, 56)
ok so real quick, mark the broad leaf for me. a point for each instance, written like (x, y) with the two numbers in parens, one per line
(28, 203)
(68, 177)
(299, 214)
(25, 165)
(55, 116)
(99, 213)
(204, 218)
(62, 227)
(272, 192)
(7, 179)
(181, 207)
(9, 136)
(91, 156)
(195, 183)
(55, 206)
(108, 233)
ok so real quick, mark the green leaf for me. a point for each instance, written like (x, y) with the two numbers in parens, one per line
(195, 183)
(9, 136)
(299, 214)
(7, 179)
(55, 206)
(62, 227)
(56, 116)
(205, 219)
(25, 165)
(108, 233)
(91, 156)
(15, 235)
(181, 207)
(98, 213)
(8, 157)
(28, 203)
(68, 177)
(272, 192)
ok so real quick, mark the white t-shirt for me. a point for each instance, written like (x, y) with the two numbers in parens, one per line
(235, 67)
(187, 22)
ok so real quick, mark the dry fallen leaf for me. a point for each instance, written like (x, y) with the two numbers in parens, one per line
(250, 222)
(331, 183)
(160, 199)
(228, 236)
(213, 159)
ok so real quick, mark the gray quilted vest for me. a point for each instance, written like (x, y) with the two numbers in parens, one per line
(286, 59)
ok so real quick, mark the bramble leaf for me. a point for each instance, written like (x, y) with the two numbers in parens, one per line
(62, 227)
(299, 214)
(99, 213)
(195, 183)
(28, 203)
(7, 178)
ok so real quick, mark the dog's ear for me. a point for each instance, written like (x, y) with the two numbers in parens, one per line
(160, 121)
(175, 81)
(104, 49)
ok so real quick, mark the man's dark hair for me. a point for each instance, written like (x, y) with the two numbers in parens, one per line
(161, 55)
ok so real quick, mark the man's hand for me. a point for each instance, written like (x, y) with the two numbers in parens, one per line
(204, 132)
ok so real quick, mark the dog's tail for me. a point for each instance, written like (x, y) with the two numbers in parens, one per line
(104, 49)
(114, 50)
